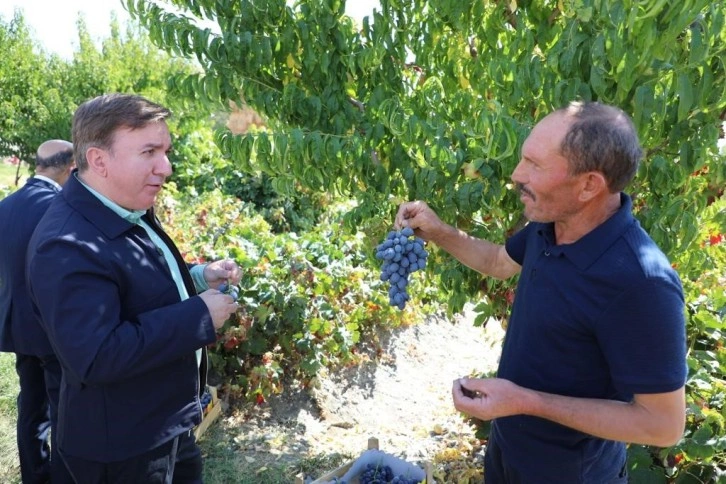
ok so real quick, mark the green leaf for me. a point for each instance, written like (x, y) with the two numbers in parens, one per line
(685, 96)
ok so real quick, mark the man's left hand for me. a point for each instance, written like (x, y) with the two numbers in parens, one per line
(222, 271)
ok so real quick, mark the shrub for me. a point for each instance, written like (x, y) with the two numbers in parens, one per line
(308, 300)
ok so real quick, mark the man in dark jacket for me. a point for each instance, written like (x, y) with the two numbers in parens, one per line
(120, 306)
(38, 370)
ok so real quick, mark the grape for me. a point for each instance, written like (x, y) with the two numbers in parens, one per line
(382, 474)
(228, 289)
(402, 254)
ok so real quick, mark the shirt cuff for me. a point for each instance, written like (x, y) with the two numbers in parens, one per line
(200, 284)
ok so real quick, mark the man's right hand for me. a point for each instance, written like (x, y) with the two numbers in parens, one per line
(420, 217)
(220, 306)
(481, 255)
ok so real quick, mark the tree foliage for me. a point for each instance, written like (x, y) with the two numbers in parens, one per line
(33, 105)
(432, 99)
(40, 91)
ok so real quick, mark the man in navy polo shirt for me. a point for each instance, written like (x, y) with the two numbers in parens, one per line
(594, 355)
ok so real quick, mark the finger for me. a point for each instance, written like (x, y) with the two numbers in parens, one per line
(399, 220)
(231, 266)
(234, 275)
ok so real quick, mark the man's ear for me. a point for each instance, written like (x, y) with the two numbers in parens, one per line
(594, 185)
(97, 159)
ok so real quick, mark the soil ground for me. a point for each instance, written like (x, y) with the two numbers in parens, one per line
(402, 397)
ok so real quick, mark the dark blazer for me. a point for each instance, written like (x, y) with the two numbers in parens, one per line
(20, 212)
(124, 338)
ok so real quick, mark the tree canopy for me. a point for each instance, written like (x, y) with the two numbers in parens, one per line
(431, 99)
(41, 91)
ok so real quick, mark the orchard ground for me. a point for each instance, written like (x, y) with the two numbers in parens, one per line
(400, 395)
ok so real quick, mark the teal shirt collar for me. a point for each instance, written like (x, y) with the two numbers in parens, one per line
(131, 216)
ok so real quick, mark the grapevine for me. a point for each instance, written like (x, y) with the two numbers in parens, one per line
(402, 254)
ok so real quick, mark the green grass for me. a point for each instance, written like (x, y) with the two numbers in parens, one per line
(226, 462)
(9, 466)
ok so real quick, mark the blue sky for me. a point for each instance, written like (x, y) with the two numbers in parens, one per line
(53, 22)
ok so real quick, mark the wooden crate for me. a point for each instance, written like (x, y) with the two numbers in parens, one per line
(211, 413)
(340, 471)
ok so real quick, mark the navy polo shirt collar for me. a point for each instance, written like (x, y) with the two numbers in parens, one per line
(587, 249)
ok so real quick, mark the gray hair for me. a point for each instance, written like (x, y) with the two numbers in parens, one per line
(602, 138)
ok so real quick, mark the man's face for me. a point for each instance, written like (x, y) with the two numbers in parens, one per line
(138, 165)
(548, 192)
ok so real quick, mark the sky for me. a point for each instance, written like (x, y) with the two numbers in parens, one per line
(53, 22)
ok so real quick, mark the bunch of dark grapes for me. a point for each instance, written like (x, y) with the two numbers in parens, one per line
(229, 289)
(402, 254)
(374, 474)
(377, 474)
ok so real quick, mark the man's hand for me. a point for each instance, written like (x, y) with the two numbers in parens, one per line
(481, 255)
(222, 271)
(649, 419)
(220, 306)
(421, 218)
(487, 398)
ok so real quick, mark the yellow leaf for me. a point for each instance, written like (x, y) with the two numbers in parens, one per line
(464, 82)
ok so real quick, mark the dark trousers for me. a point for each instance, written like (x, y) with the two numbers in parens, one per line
(39, 378)
(178, 461)
(498, 471)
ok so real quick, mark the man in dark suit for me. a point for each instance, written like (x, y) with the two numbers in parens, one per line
(38, 370)
(120, 306)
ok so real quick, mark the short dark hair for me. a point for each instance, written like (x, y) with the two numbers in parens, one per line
(96, 121)
(60, 159)
(602, 138)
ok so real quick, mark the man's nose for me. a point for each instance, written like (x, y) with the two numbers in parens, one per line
(518, 174)
(166, 168)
